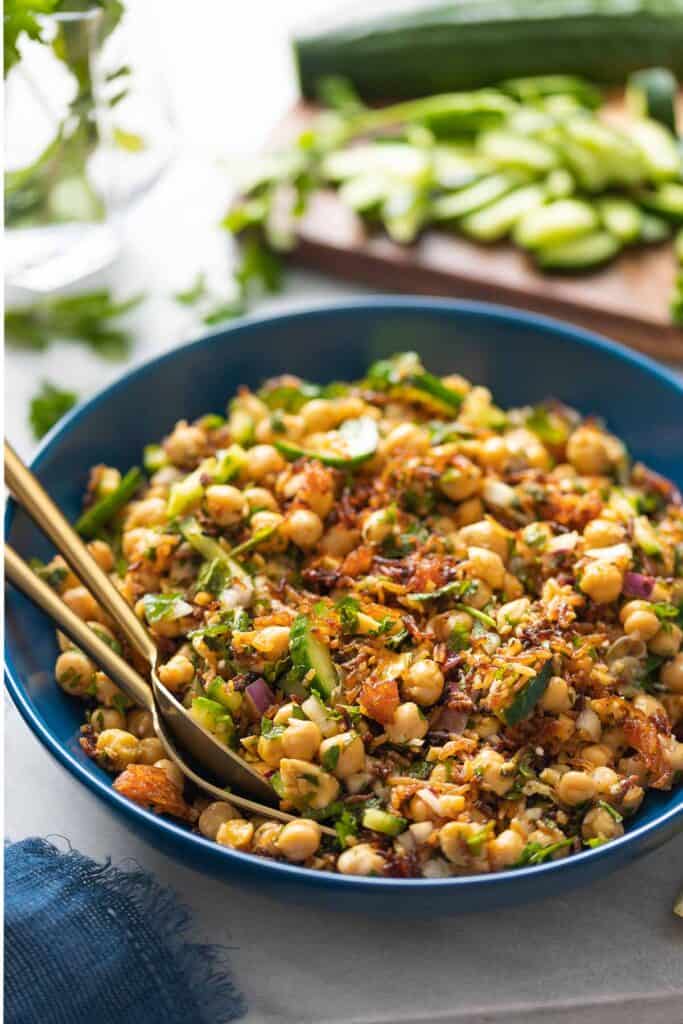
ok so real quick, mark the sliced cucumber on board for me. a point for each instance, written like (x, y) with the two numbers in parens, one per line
(579, 254)
(622, 218)
(556, 223)
(467, 200)
(652, 93)
(498, 219)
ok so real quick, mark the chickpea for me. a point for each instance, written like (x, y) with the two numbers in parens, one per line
(461, 481)
(634, 766)
(271, 522)
(446, 624)
(638, 617)
(671, 674)
(362, 859)
(378, 526)
(597, 754)
(576, 788)
(469, 511)
(117, 748)
(451, 804)
(215, 815)
(75, 673)
(270, 749)
(485, 534)
(406, 437)
(301, 739)
(420, 810)
(299, 840)
(674, 755)
(263, 460)
(588, 725)
(350, 758)
(512, 587)
(177, 672)
(185, 445)
(494, 452)
(452, 842)
(225, 504)
(318, 415)
(151, 750)
(150, 512)
(107, 718)
(480, 595)
(557, 698)
(667, 642)
(602, 533)
(272, 642)
(604, 778)
(140, 723)
(303, 527)
(172, 772)
(423, 682)
(339, 540)
(236, 833)
(108, 693)
(407, 724)
(260, 499)
(587, 451)
(283, 715)
(487, 566)
(602, 581)
(83, 604)
(306, 784)
(102, 553)
(649, 705)
(599, 824)
(493, 772)
(505, 849)
(266, 837)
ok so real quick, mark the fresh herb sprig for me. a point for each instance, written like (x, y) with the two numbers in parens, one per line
(48, 406)
(86, 318)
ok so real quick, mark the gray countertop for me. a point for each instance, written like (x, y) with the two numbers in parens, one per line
(609, 954)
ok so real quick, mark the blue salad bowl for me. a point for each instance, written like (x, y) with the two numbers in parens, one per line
(521, 358)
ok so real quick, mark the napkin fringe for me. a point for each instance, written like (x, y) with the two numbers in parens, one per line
(205, 966)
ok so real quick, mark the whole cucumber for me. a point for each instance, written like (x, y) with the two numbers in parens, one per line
(466, 44)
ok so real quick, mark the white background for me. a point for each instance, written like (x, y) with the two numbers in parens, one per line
(609, 954)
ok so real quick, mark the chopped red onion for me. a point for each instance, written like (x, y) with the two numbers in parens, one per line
(260, 695)
(638, 585)
(451, 721)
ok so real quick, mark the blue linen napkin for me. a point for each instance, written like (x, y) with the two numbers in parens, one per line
(88, 943)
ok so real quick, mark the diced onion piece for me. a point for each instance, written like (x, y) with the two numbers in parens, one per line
(421, 831)
(495, 492)
(260, 695)
(615, 553)
(564, 542)
(431, 799)
(636, 584)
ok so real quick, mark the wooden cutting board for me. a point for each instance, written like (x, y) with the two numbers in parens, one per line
(627, 300)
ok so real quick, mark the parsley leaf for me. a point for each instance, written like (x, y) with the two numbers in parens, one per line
(48, 406)
(84, 318)
(537, 853)
(346, 826)
(348, 608)
(195, 292)
(165, 607)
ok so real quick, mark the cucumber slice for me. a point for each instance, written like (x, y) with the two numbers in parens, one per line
(654, 229)
(558, 222)
(559, 184)
(527, 698)
(460, 204)
(213, 717)
(429, 390)
(357, 442)
(383, 821)
(509, 151)
(219, 691)
(667, 200)
(622, 218)
(538, 87)
(652, 93)
(620, 158)
(310, 657)
(658, 149)
(365, 193)
(389, 159)
(211, 551)
(580, 253)
(498, 219)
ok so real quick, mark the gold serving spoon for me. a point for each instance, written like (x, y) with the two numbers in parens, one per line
(168, 713)
(123, 674)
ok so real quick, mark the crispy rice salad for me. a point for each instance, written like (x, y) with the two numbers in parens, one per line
(453, 633)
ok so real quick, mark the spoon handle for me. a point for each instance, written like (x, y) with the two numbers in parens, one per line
(37, 591)
(29, 493)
